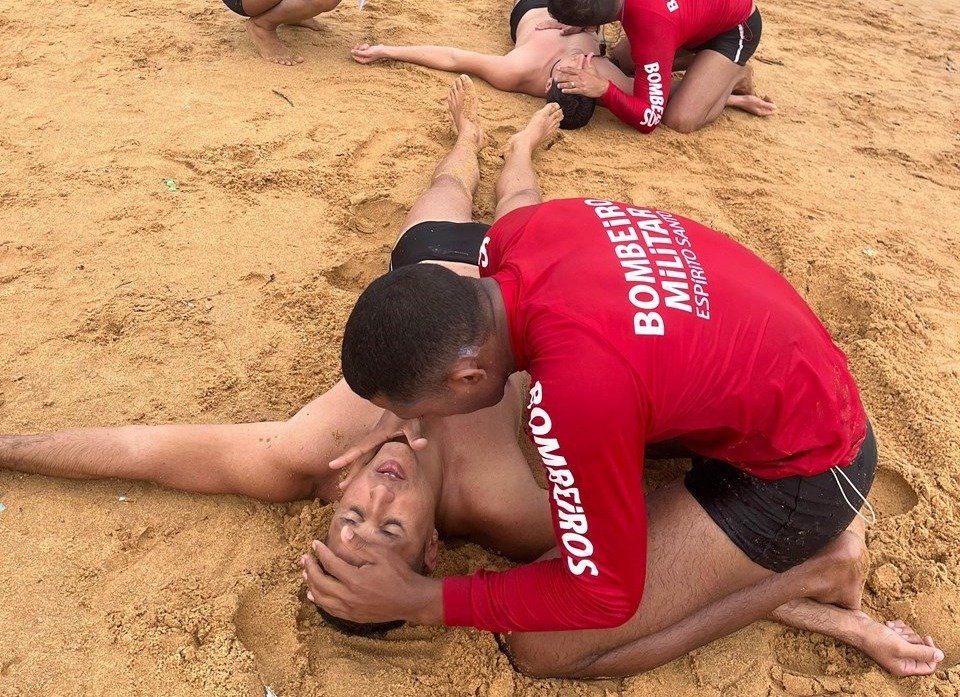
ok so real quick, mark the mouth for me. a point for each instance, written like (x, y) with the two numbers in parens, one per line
(391, 468)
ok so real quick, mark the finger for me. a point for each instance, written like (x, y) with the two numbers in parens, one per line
(359, 546)
(411, 430)
(343, 571)
(572, 90)
(318, 583)
(588, 62)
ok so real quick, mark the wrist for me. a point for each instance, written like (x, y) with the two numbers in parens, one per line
(427, 602)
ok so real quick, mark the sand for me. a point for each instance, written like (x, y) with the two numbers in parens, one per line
(122, 301)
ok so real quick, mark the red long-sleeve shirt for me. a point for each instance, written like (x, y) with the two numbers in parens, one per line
(657, 29)
(639, 326)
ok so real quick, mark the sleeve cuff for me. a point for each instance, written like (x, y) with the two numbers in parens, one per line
(457, 604)
(608, 93)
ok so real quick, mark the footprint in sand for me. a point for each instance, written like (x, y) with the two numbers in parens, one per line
(354, 275)
(378, 216)
(891, 494)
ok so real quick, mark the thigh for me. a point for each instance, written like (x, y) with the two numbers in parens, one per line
(620, 56)
(446, 199)
(690, 564)
(709, 79)
(252, 8)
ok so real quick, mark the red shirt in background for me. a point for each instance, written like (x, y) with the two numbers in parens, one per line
(638, 326)
(657, 29)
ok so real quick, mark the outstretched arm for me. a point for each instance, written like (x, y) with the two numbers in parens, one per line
(272, 461)
(499, 71)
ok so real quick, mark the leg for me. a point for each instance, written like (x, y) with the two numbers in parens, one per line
(700, 587)
(267, 15)
(455, 179)
(517, 185)
(707, 85)
(620, 56)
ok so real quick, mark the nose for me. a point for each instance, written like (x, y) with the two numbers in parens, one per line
(381, 496)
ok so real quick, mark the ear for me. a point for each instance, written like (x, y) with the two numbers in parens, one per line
(431, 552)
(466, 373)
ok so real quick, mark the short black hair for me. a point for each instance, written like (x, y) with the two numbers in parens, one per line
(582, 13)
(577, 108)
(407, 328)
(365, 629)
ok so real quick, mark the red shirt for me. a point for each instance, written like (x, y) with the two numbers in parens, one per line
(639, 326)
(657, 29)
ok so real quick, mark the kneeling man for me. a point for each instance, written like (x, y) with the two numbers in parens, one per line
(641, 330)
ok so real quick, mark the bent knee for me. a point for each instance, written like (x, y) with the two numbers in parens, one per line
(683, 122)
(320, 6)
(538, 658)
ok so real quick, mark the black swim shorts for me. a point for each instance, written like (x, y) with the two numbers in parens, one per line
(236, 6)
(780, 523)
(739, 43)
(439, 240)
(519, 10)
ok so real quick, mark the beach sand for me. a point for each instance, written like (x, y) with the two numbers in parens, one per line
(123, 301)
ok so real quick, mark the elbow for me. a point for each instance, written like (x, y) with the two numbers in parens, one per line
(619, 611)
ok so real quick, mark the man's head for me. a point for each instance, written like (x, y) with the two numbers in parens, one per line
(418, 343)
(584, 13)
(577, 108)
(388, 502)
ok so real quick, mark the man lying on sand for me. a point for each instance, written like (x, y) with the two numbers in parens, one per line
(721, 35)
(538, 58)
(266, 15)
(468, 478)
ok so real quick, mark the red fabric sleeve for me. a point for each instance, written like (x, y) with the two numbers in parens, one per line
(586, 422)
(652, 51)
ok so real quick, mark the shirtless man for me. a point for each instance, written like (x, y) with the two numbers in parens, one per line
(266, 15)
(537, 59)
(719, 37)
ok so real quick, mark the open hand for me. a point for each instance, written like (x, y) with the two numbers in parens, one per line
(390, 426)
(365, 53)
(383, 589)
(582, 79)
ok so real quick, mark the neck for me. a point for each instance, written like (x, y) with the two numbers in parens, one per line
(490, 291)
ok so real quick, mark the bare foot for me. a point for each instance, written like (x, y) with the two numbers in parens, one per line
(752, 104)
(745, 85)
(542, 126)
(463, 105)
(845, 566)
(310, 23)
(897, 648)
(269, 46)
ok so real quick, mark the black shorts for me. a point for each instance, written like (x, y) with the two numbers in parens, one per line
(739, 43)
(519, 10)
(439, 240)
(780, 523)
(236, 6)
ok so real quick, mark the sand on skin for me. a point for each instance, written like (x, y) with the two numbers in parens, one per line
(121, 301)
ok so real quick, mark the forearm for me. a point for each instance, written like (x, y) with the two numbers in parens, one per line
(85, 453)
(437, 57)
(198, 458)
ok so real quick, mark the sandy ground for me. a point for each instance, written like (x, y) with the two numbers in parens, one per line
(122, 301)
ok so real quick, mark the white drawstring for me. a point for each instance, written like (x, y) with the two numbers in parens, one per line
(873, 515)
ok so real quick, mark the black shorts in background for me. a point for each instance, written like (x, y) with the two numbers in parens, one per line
(780, 523)
(519, 10)
(739, 43)
(439, 240)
